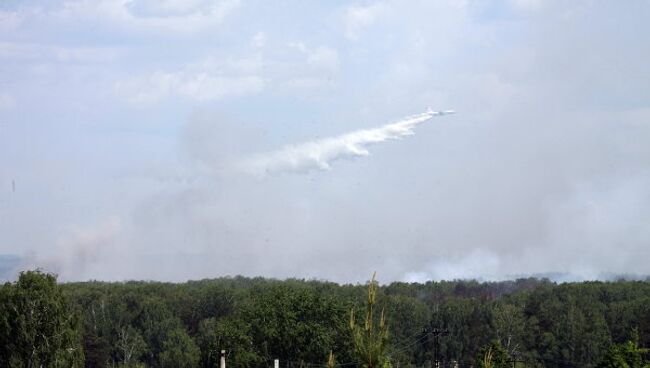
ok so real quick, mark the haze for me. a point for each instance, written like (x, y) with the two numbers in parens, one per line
(122, 125)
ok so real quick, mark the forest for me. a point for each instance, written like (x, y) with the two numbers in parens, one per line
(309, 323)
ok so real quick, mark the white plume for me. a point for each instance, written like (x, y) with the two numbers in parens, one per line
(319, 154)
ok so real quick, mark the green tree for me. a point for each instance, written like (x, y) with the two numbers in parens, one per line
(293, 322)
(467, 322)
(371, 338)
(130, 345)
(508, 324)
(492, 356)
(409, 318)
(628, 355)
(156, 321)
(37, 327)
(232, 335)
(179, 351)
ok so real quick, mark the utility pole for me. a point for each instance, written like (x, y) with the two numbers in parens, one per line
(437, 332)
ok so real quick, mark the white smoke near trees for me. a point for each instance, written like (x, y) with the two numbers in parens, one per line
(547, 170)
(319, 154)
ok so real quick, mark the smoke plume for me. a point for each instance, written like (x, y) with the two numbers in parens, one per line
(319, 154)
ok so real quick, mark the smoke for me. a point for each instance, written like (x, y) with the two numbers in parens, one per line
(79, 250)
(547, 171)
(319, 154)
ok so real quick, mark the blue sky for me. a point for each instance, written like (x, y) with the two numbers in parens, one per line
(123, 125)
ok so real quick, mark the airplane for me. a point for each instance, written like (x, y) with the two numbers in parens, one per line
(440, 113)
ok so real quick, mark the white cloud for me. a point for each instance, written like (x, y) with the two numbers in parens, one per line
(324, 58)
(203, 87)
(173, 8)
(527, 5)
(259, 40)
(208, 80)
(47, 53)
(321, 58)
(357, 18)
(317, 68)
(215, 78)
(169, 15)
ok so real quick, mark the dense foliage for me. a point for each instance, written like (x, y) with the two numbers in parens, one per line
(528, 322)
(37, 328)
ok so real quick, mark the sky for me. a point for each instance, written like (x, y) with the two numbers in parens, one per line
(187, 139)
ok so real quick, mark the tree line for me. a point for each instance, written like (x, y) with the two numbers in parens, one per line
(304, 323)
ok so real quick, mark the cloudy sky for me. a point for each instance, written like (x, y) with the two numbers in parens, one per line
(184, 139)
